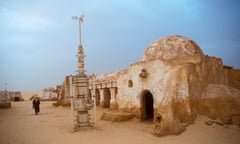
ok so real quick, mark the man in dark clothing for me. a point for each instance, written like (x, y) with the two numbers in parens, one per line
(36, 103)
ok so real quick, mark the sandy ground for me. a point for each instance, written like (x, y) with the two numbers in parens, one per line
(19, 125)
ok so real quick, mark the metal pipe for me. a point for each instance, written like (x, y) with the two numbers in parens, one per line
(80, 36)
(71, 96)
(94, 95)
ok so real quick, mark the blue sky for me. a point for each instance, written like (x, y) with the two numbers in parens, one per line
(39, 40)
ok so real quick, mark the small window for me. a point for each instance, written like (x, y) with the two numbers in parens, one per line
(130, 83)
(143, 73)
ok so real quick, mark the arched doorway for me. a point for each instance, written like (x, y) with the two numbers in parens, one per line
(97, 93)
(147, 110)
(89, 94)
(107, 97)
(16, 99)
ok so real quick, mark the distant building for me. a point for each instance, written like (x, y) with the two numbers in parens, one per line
(16, 96)
(48, 94)
(4, 99)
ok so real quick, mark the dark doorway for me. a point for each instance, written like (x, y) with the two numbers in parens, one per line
(16, 99)
(89, 95)
(107, 98)
(97, 93)
(147, 106)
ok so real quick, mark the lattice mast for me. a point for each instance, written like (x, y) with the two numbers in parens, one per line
(80, 101)
(80, 55)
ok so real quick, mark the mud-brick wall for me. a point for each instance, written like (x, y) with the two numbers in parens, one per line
(233, 77)
(208, 71)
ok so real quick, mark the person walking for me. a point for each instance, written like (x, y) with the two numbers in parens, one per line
(36, 105)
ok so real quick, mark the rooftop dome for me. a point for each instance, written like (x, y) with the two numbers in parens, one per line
(174, 47)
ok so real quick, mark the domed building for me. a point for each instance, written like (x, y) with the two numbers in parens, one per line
(173, 48)
(167, 85)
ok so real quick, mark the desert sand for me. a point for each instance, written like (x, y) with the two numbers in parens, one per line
(19, 125)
